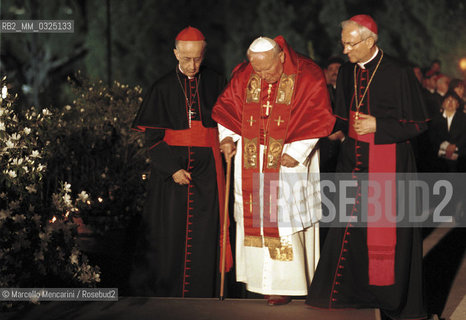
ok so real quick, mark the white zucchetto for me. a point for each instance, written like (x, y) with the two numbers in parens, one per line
(262, 44)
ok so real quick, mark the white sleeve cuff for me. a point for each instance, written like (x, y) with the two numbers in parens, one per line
(224, 132)
(299, 150)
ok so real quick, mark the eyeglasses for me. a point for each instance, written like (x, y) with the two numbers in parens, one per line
(351, 45)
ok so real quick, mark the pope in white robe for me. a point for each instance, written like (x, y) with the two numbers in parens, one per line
(271, 116)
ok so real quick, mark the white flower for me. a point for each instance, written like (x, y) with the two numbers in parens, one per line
(2, 126)
(27, 130)
(13, 205)
(4, 214)
(10, 144)
(35, 154)
(17, 162)
(68, 107)
(31, 188)
(26, 169)
(12, 173)
(83, 196)
(15, 136)
(4, 92)
(46, 112)
(40, 167)
(67, 199)
(67, 187)
(19, 218)
(74, 258)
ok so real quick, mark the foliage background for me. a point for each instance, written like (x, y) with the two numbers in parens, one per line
(38, 236)
(132, 41)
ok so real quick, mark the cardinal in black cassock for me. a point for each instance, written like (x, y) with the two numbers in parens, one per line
(180, 231)
(380, 108)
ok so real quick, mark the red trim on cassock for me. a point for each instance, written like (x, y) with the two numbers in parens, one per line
(336, 115)
(155, 145)
(188, 230)
(199, 136)
(381, 234)
(341, 257)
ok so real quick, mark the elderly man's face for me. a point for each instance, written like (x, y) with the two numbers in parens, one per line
(357, 49)
(442, 84)
(430, 83)
(268, 65)
(190, 55)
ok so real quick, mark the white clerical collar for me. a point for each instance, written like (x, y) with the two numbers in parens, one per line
(361, 64)
(179, 68)
(448, 117)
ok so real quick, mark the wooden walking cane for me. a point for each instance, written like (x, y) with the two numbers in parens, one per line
(225, 226)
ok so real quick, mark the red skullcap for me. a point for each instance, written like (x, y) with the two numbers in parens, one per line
(190, 34)
(365, 21)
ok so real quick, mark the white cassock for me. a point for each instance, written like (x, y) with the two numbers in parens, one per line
(299, 210)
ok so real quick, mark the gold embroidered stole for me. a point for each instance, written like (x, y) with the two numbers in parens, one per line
(274, 138)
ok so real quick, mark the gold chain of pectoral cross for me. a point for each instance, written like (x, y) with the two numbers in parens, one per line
(268, 106)
(358, 104)
(190, 105)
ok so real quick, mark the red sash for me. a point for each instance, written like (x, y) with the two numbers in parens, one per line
(199, 136)
(381, 233)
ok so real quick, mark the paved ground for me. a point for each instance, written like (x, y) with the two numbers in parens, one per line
(445, 272)
(180, 309)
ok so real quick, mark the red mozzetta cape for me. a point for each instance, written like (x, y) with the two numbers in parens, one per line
(311, 115)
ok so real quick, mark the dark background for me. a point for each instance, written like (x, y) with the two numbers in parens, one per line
(132, 41)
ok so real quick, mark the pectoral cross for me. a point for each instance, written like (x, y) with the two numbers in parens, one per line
(279, 120)
(191, 113)
(249, 202)
(267, 106)
(251, 121)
